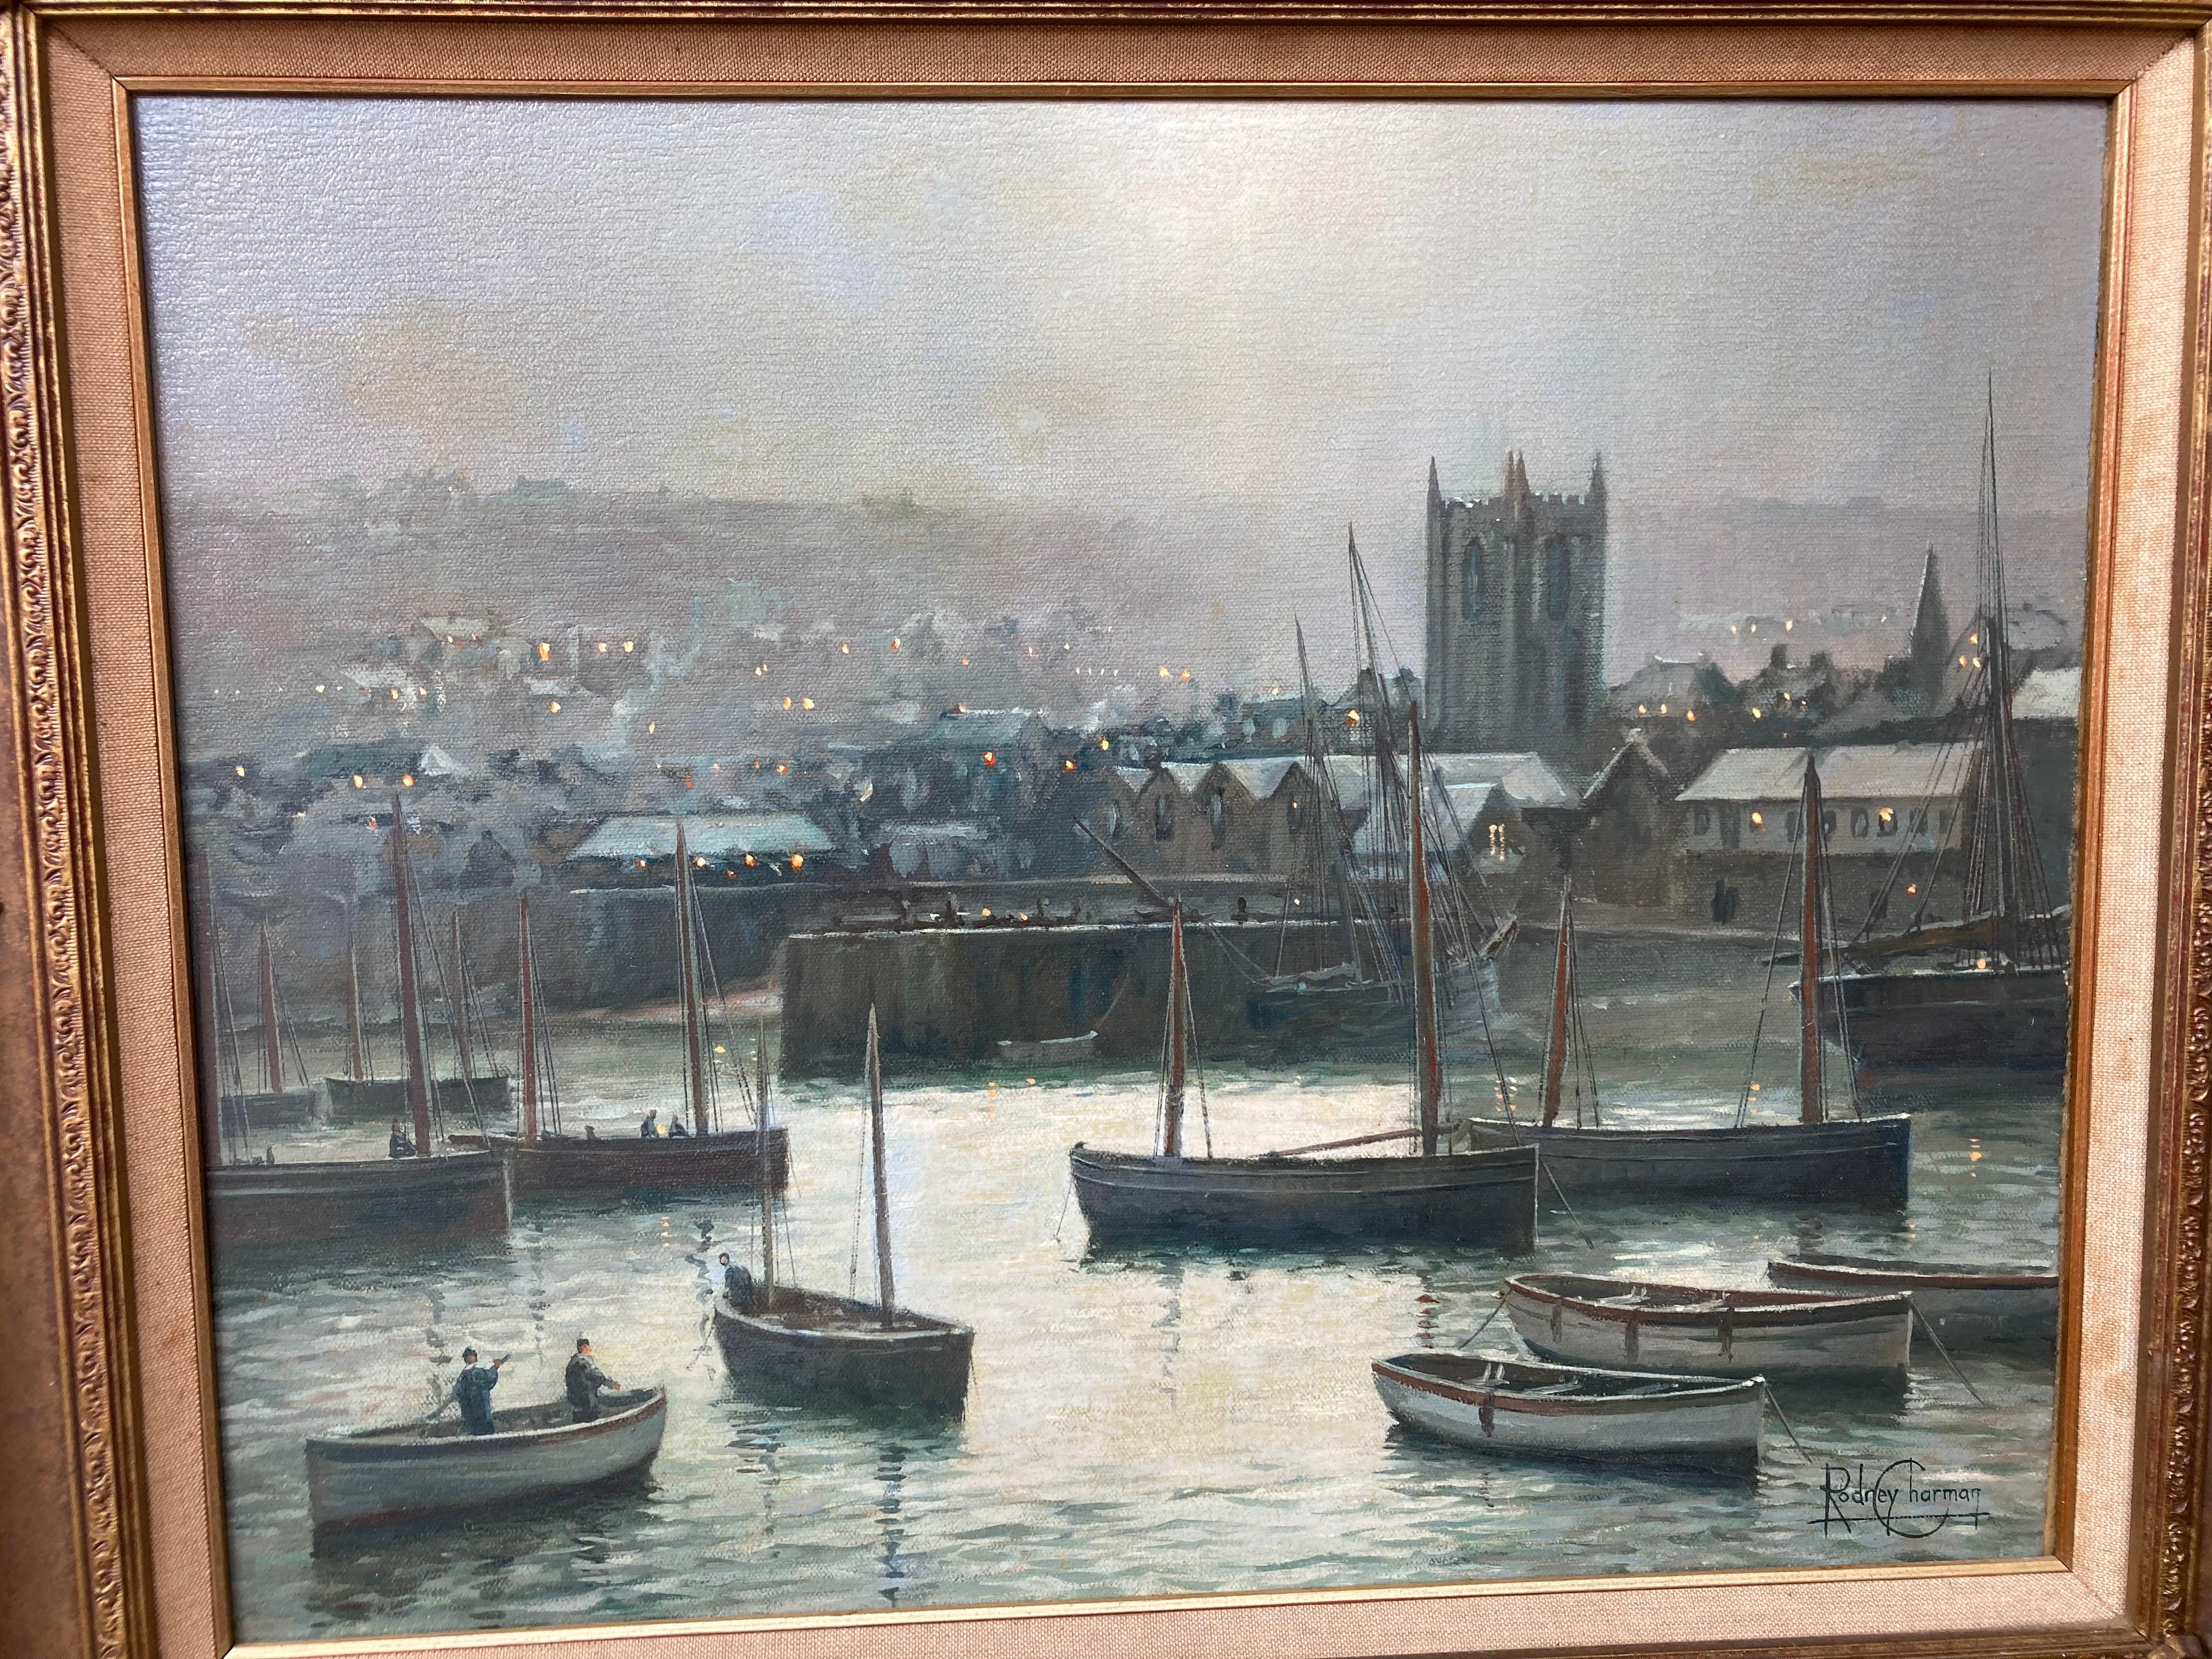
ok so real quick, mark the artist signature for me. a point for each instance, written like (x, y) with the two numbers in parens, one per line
(1902, 1500)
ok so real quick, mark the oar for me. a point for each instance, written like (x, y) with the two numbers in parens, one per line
(1945, 1351)
(1768, 1389)
(1485, 1326)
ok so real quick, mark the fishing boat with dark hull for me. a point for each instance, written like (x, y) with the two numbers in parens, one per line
(273, 1105)
(700, 1156)
(1485, 1195)
(1965, 1302)
(787, 1339)
(1857, 1160)
(1516, 1406)
(409, 1472)
(1708, 1331)
(361, 1096)
(418, 1196)
(1996, 992)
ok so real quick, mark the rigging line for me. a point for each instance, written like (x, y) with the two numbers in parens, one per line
(1878, 905)
(745, 1092)
(1766, 993)
(1190, 1029)
(1842, 1018)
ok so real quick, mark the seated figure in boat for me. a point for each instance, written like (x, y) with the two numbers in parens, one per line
(585, 1379)
(737, 1283)
(651, 1127)
(472, 1391)
(676, 1129)
(402, 1145)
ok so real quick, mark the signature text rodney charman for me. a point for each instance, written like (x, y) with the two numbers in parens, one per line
(1901, 1500)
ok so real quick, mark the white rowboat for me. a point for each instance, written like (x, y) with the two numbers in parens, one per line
(1701, 1331)
(411, 1471)
(1505, 1404)
(1048, 1051)
(1963, 1302)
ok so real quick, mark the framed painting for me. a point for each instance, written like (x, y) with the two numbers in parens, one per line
(845, 831)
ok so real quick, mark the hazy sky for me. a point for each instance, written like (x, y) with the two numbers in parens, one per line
(1124, 304)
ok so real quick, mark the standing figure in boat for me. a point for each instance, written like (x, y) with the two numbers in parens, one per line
(583, 1382)
(472, 1391)
(1486, 1195)
(708, 1154)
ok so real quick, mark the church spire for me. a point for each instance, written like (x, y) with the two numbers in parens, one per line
(1597, 477)
(1436, 490)
(1931, 637)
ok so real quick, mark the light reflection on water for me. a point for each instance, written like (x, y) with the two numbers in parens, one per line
(1148, 1422)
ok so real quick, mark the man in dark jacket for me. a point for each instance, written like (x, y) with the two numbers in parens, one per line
(737, 1283)
(584, 1380)
(472, 1392)
(401, 1145)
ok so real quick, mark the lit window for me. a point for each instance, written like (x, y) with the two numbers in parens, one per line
(406, 780)
(806, 703)
(603, 647)
(1759, 820)
(990, 757)
(554, 707)
(1690, 715)
(1886, 821)
(357, 782)
(629, 645)
(544, 651)
(797, 862)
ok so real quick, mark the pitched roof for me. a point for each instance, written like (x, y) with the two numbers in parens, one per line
(715, 835)
(1634, 748)
(2049, 693)
(1261, 778)
(979, 728)
(1893, 771)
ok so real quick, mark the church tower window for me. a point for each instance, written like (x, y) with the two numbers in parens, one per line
(1559, 576)
(1474, 598)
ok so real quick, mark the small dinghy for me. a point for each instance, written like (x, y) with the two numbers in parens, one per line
(409, 1471)
(1048, 1051)
(1498, 1404)
(1703, 1331)
(1965, 1302)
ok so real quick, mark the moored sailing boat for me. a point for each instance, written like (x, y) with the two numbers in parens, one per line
(1487, 1195)
(361, 1095)
(1855, 1160)
(1999, 993)
(422, 1197)
(704, 1157)
(272, 1102)
(813, 1340)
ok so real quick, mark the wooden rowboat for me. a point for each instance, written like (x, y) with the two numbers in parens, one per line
(1498, 1404)
(409, 1471)
(1704, 1331)
(1964, 1303)
(1048, 1051)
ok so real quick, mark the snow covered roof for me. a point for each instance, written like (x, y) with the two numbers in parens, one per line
(2049, 693)
(713, 835)
(1261, 778)
(1864, 771)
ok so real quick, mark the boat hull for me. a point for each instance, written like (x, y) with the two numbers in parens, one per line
(1939, 1018)
(1048, 1051)
(637, 1165)
(1964, 1307)
(1732, 1334)
(385, 1476)
(262, 1109)
(1711, 1423)
(813, 1344)
(360, 1100)
(1482, 1197)
(399, 1202)
(1867, 1162)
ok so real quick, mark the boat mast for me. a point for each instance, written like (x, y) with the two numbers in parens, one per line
(220, 1030)
(767, 1295)
(525, 986)
(1178, 1061)
(272, 1047)
(410, 1007)
(694, 1051)
(461, 1000)
(1330, 817)
(1555, 1046)
(357, 1054)
(886, 1297)
(1428, 1056)
(1811, 1108)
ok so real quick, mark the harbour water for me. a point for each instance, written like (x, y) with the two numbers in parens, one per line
(1150, 1422)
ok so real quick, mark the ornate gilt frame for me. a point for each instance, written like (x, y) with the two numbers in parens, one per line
(109, 1524)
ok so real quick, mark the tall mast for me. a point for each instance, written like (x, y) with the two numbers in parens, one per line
(272, 1047)
(217, 1029)
(695, 1047)
(410, 1005)
(1810, 1107)
(1555, 1046)
(356, 1055)
(1330, 817)
(1178, 1069)
(1428, 1057)
(766, 1194)
(525, 987)
(460, 996)
(886, 1295)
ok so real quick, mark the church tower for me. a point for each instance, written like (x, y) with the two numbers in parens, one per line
(1515, 637)
(1931, 640)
